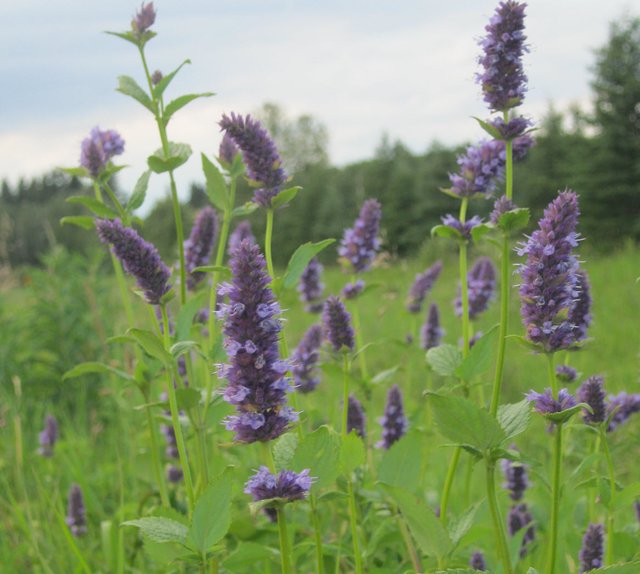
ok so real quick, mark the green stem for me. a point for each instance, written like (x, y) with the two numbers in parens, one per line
(612, 484)
(345, 394)
(444, 500)
(464, 287)
(551, 375)
(498, 527)
(555, 490)
(114, 199)
(408, 542)
(505, 288)
(267, 243)
(157, 468)
(353, 520)
(362, 360)
(162, 129)
(175, 417)
(285, 550)
(317, 532)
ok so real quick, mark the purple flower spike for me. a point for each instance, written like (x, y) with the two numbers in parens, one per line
(353, 290)
(171, 451)
(228, 150)
(305, 360)
(545, 404)
(422, 285)
(431, 332)
(174, 474)
(566, 374)
(337, 324)
(197, 249)
(513, 128)
(310, 286)
(503, 80)
(622, 406)
(76, 519)
(260, 155)
(480, 169)
(394, 423)
(257, 385)
(144, 19)
(580, 312)
(288, 485)
(521, 146)
(242, 231)
(592, 392)
(356, 419)
(481, 282)
(516, 480)
(360, 243)
(549, 276)
(463, 229)
(138, 257)
(500, 207)
(592, 551)
(48, 436)
(477, 562)
(519, 518)
(98, 149)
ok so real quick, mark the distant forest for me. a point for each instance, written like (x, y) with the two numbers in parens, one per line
(596, 153)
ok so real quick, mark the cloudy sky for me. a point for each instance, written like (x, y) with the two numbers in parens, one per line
(362, 67)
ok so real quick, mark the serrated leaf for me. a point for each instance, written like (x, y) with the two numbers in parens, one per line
(465, 423)
(479, 358)
(514, 418)
(446, 232)
(427, 530)
(91, 203)
(462, 524)
(151, 343)
(84, 221)
(352, 453)
(212, 514)
(215, 184)
(178, 154)
(180, 102)
(160, 529)
(401, 464)
(444, 359)
(93, 367)
(161, 86)
(479, 231)
(285, 196)
(319, 452)
(514, 220)
(300, 259)
(139, 192)
(129, 87)
(284, 449)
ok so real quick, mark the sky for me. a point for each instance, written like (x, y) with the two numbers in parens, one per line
(361, 67)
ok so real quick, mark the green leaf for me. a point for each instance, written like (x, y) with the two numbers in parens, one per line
(628, 568)
(247, 209)
(178, 154)
(129, 87)
(463, 524)
(514, 418)
(514, 220)
(247, 555)
(161, 86)
(446, 232)
(285, 196)
(401, 464)
(225, 272)
(139, 192)
(284, 450)
(532, 570)
(464, 423)
(187, 313)
(76, 171)
(91, 203)
(84, 221)
(180, 102)
(300, 259)
(564, 416)
(444, 359)
(92, 367)
(491, 130)
(182, 347)
(160, 529)
(457, 571)
(427, 530)
(187, 398)
(352, 453)
(386, 375)
(212, 514)
(216, 185)
(319, 452)
(151, 343)
(480, 357)
(479, 231)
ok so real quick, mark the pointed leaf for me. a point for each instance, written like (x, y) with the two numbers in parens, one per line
(187, 313)
(180, 102)
(129, 87)
(514, 220)
(401, 464)
(84, 221)
(446, 232)
(444, 359)
(247, 209)
(514, 418)
(139, 192)
(285, 196)
(300, 259)
(480, 357)
(319, 452)
(160, 529)
(352, 453)
(161, 86)
(490, 129)
(216, 185)
(564, 416)
(178, 154)
(151, 343)
(91, 203)
(480, 230)
(93, 367)
(284, 450)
